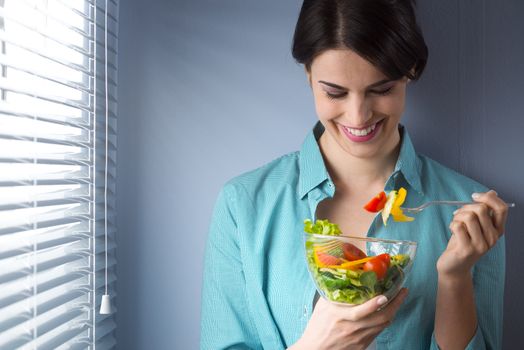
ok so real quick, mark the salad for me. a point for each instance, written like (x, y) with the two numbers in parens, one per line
(343, 272)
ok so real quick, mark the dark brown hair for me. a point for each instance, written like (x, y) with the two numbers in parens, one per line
(384, 32)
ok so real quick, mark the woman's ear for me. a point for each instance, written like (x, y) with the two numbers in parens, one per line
(412, 73)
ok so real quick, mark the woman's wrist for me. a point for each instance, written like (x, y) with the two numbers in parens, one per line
(446, 272)
(455, 314)
(455, 279)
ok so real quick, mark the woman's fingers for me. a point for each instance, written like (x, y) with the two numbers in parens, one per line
(371, 313)
(498, 207)
(476, 228)
(480, 225)
(467, 219)
(357, 313)
(484, 216)
(460, 233)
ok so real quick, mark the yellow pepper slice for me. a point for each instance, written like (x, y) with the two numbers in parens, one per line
(352, 265)
(396, 212)
(400, 198)
(398, 215)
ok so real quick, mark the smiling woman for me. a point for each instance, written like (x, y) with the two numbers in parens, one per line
(358, 55)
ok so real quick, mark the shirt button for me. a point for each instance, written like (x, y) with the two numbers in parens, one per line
(330, 184)
(305, 311)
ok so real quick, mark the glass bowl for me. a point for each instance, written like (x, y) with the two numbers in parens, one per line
(351, 270)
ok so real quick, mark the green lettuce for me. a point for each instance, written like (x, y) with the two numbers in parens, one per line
(321, 227)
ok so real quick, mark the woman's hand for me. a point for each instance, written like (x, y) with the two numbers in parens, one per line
(337, 327)
(475, 229)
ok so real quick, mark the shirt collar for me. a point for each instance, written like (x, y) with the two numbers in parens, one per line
(408, 162)
(313, 171)
(311, 164)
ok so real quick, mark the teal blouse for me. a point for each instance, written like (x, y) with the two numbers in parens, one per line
(257, 292)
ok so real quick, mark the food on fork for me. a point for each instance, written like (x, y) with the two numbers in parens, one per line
(389, 204)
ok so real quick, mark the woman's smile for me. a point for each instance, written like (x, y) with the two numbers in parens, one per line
(363, 134)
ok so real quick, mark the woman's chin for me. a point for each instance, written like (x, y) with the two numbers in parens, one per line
(363, 153)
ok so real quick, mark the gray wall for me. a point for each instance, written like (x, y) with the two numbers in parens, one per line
(208, 89)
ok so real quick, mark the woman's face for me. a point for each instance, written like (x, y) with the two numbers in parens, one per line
(358, 105)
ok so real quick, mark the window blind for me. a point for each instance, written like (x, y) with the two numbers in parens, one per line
(52, 167)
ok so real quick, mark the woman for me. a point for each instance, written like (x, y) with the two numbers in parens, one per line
(359, 55)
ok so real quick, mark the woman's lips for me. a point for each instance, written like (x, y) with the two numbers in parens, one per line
(362, 135)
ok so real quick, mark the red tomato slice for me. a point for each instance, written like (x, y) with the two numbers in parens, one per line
(377, 203)
(378, 266)
(385, 258)
(352, 253)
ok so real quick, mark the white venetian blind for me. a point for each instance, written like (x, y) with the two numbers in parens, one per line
(52, 164)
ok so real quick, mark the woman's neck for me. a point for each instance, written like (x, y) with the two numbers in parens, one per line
(350, 172)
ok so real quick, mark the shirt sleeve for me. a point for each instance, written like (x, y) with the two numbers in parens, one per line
(226, 321)
(488, 281)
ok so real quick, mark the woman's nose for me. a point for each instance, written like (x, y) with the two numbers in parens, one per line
(358, 110)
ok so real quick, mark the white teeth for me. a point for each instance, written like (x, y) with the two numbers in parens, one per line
(361, 132)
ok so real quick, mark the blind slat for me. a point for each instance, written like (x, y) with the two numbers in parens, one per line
(22, 149)
(49, 14)
(28, 216)
(78, 282)
(14, 242)
(64, 337)
(49, 161)
(17, 127)
(43, 304)
(106, 343)
(19, 267)
(43, 244)
(50, 314)
(76, 279)
(61, 320)
(105, 327)
(11, 40)
(38, 72)
(41, 32)
(47, 331)
(36, 172)
(24, 111)
(19, 88)
(38, 193)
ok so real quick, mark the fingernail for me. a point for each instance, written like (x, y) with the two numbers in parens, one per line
(382, 300)
(496, 194)
(475, 195)
(456, 211)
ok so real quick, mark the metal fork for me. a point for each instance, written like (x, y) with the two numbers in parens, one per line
(457, 203)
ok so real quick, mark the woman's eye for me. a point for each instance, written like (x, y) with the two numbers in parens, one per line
(335, 96)
(383, 92)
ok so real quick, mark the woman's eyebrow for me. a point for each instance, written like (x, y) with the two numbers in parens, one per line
(378, 83)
